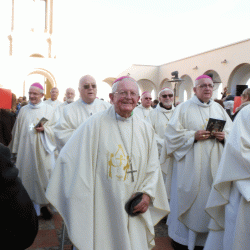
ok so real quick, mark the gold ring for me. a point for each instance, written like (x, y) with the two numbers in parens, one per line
(204, 136)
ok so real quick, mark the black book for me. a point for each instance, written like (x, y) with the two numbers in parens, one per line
(41, 122)
(215, 125)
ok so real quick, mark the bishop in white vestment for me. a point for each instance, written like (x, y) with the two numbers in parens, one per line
(109, 158)
(53, 101)
(196, 159)
(34, 146)
(229, 200)
(145, 107)
(76, 113)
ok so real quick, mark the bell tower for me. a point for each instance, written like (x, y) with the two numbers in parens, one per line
(31, 28)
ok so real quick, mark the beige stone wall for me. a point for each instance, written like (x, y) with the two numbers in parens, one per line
(230, 65)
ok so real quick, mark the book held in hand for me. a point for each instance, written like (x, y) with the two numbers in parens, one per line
(41, 122)
(215, 125)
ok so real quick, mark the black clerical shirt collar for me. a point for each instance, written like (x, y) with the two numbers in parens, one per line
(204, 102)
(161, 105)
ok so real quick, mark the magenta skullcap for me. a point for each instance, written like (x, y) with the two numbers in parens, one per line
(37, 84)
(145, 92)
(123, 77)
(203, 76)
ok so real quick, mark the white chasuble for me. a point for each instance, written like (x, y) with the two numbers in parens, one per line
(142, 112)
(194, 168)
(73, 116)
(53, 104)
(159, 118)
(229, 200)
(59, 110)
(94, 166)
(34, 149)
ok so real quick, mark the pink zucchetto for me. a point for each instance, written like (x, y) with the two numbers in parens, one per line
(203, 76)
(123, 77)
(145, 92)
(38, 85)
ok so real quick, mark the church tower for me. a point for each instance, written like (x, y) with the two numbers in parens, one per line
(31, 39)
(31, 28)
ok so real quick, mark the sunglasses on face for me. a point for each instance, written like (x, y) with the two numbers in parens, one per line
(148, 98)
(165, 96)
(87, 86)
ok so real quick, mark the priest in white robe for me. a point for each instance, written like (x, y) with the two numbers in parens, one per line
(160, 116)
(109, 158)
(229, 200)
(196, 160)
(53, 101)
(70, 96)
(76, 113)
(145, 107)
(34, 146)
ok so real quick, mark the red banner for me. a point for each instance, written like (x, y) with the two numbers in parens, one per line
(5, 98)
(237, 102)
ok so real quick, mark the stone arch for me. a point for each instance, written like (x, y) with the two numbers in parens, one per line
(147, 85)
(109, 80)
(49, 83)
(184, 87)
(239, 76)
(217, 83)
(37, 55)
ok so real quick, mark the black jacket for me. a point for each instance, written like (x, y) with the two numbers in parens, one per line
(19, 222)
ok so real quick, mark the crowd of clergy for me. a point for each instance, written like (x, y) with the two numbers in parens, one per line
(114, 169)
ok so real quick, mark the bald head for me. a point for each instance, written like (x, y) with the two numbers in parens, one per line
(70, 95)
(87, 88)
(54, 92)
(146, 99)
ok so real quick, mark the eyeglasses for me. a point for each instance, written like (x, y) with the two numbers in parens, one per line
(203, 86)
(87, 86)
(165, 96)
(148, 98)
(125, 94)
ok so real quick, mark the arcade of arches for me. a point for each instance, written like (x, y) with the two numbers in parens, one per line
(230, 66)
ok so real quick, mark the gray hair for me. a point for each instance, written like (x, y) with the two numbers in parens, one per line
(246, 93)
(165, 89)
(115, 85)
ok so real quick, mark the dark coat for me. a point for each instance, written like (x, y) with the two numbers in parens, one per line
(19, 222)
(7, 121)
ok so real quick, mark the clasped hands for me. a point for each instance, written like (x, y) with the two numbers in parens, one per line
(142, 207)
(203, 135)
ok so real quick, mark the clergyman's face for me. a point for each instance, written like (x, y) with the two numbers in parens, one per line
(204, 89)
(70, 95)
(54, 94)
(146, 100)
(166, 98)
(88, 89)
(125, 98)
(35, 95)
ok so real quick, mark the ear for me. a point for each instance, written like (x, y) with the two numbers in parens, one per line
(194, 89)
(111, 96)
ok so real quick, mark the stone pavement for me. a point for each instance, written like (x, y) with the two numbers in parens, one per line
(50, 234)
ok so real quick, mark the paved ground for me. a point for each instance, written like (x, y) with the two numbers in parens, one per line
(50, 235)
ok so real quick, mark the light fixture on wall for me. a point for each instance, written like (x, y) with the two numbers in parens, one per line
(175, 79)
(224, 61)
(195, 68)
